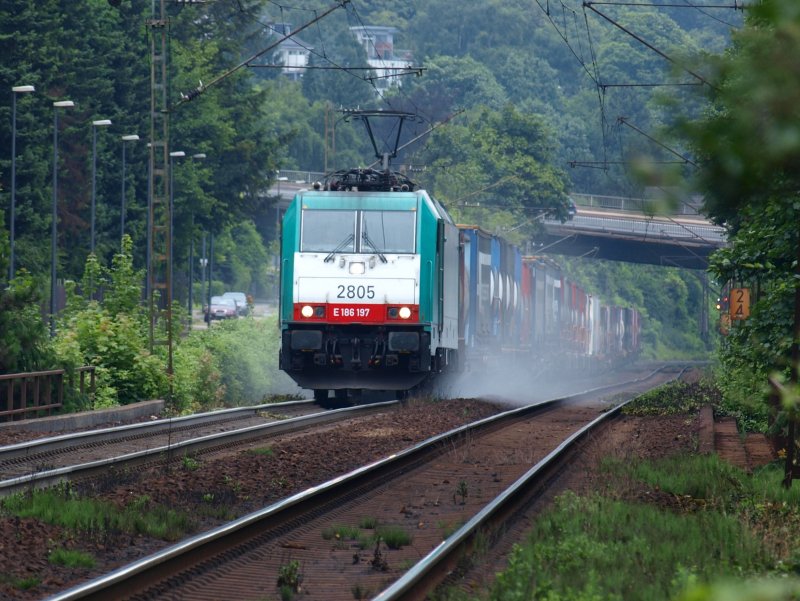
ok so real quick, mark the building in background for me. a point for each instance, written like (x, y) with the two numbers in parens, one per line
(292, 53)
(382, 55)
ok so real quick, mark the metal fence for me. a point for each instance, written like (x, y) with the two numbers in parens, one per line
(39, 393)
(638, 205)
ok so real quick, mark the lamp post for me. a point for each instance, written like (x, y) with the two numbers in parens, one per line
(54, 217)
(148, 253)
(175, 154)
(95, 125)
(127, 138)
(203, 265)
(15, 90)
(200, 156)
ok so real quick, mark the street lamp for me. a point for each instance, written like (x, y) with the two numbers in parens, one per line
(95, 125)
(175, 154)
(15, 90)
(127, 138)
(203, 265)
(200, 156)
(54, 218)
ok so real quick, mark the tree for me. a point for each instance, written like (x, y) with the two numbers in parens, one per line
(452, 83)
(749, 147)
(500, 160)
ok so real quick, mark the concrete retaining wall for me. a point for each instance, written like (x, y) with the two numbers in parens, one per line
(88, 419)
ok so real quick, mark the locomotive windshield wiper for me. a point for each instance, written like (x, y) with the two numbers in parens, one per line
(342, 244)
(365, 237)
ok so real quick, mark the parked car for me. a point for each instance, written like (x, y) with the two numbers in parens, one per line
(221, 308)
(240, 298)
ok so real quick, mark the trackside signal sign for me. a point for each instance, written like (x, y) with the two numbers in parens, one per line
(740, 303)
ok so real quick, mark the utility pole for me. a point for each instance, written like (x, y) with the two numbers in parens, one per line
(159, 235)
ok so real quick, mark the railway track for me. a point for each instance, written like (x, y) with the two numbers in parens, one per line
(444, 494)
(45, 462)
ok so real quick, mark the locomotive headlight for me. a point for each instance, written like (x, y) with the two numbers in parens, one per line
(307, 311)
(404, 313)
(357, 268)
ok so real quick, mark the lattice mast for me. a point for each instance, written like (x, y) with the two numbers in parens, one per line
(159, 247)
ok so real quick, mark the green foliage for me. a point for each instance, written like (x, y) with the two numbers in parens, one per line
(759, 257)
(771, 589)
(368, 523)
(89, 516)
(24, 339)
(111, 334)
(682, 397)
(289, 577)
(674, 398)
(341, 532)
(496, 168)
(718, 524)
(71, 558)
(190, 464)
(231, 363)
(22, 584)
(748, 141)
(395, 537)
(598, 548)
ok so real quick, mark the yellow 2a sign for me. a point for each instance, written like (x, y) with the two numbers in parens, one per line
(740, 303)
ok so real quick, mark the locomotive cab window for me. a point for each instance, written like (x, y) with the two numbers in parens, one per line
(387, 231)
(325, 231)
(364, 232)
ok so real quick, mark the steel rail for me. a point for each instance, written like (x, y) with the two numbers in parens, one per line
(139, 575)
(53, 477)
(417, 581)
(63, 441)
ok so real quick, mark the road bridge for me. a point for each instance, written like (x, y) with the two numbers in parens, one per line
(676, 241)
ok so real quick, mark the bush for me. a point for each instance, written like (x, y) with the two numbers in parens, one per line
(24, 339)
(232, 363)
(111, 335)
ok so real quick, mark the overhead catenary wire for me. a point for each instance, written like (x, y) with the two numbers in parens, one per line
(590, 6)
(595, 75)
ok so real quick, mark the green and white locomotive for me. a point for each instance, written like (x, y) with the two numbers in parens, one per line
(369, 296)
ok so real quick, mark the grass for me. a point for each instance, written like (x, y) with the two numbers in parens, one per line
(724, 524)
(71, 558)
(23, 584)
(341, 532)
(368, 523)
(90, 516)
(265, 451)
(682, 528)
(596, 547)
(394, 537)
(674, 398)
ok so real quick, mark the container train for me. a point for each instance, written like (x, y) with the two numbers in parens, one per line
(381, 290)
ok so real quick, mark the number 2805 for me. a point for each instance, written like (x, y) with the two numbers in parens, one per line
(354, 291)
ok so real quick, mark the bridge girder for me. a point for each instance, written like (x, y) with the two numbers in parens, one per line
(630, 249)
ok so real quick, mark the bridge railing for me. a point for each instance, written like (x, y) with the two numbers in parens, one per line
(306, 177)
(627, 203)
(38, 393)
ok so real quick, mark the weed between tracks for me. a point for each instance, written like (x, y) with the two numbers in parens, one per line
(394, 537)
